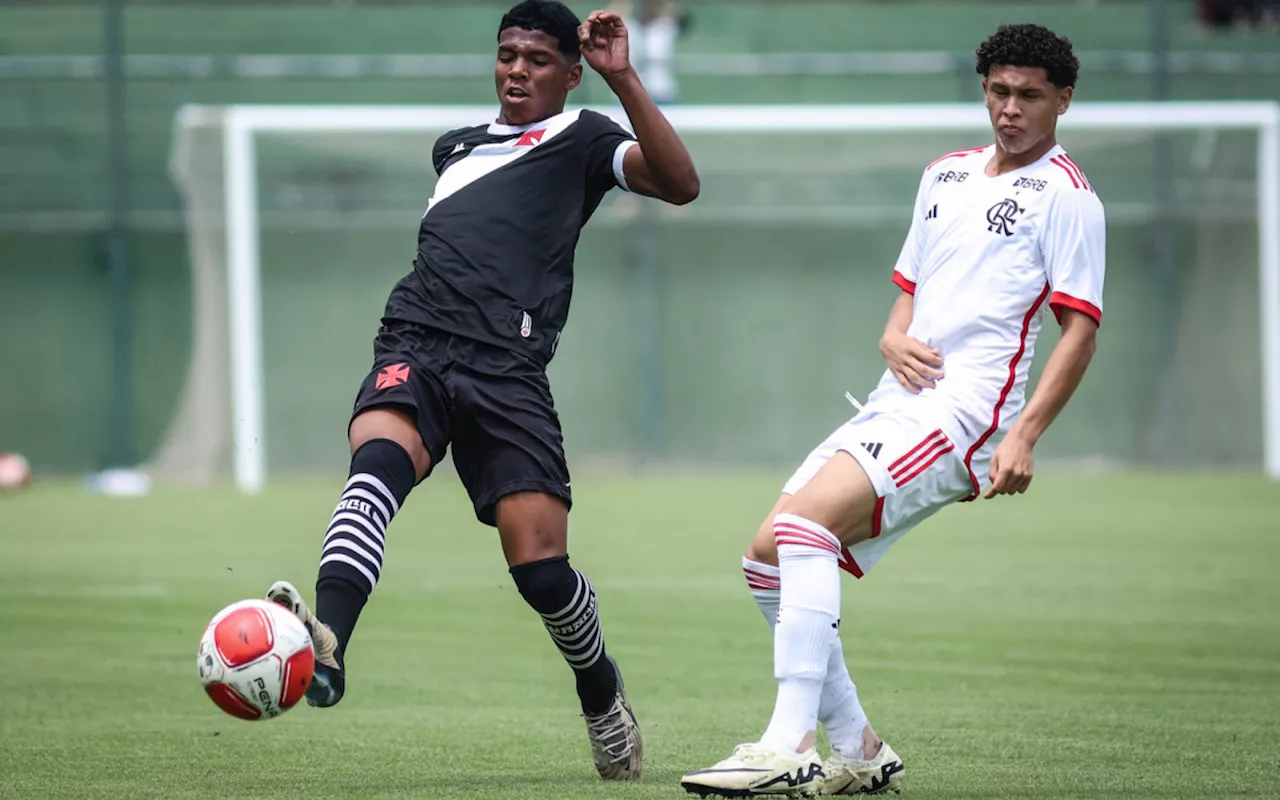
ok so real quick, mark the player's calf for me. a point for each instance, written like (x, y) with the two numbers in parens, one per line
(839, 710)
(382, 474)
(381, 477)
(567, 604)
(806, 627)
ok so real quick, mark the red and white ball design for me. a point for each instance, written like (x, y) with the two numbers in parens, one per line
(255, 659)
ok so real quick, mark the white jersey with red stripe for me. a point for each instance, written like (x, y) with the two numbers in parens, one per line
(982, 256)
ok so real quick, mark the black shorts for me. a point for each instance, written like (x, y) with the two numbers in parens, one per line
(494, 405)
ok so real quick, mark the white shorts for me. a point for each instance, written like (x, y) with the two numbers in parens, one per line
(915, 457)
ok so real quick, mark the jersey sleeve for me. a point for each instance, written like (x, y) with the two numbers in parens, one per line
(907, 271)
(606, 143)
(443, 149)
(1075, 253)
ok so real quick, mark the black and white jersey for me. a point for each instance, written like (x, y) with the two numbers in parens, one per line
(496, 245)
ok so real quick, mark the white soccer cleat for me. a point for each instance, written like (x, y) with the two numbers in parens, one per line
(328, 683)
(854, 776)
(616, 746)
(754, 770)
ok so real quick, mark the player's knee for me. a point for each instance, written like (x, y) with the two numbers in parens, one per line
(533, 526)
(547, 585)
(840, 497)
(762, 548)
(849, 528)
(395, 424)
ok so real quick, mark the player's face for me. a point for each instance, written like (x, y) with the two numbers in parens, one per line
(1024, 106)
(532, 76)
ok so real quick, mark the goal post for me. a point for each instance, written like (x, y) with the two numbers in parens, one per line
(242, 126)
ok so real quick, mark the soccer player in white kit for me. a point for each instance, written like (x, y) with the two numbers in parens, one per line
(998, 234)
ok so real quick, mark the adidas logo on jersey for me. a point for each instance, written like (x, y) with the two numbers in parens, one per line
(932, 213)
(873, 448)
(458, 148)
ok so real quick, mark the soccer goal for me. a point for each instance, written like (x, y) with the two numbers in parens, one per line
(301, 218)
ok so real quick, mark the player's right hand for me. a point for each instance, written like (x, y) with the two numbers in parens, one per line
(602, 38)
(915, 364)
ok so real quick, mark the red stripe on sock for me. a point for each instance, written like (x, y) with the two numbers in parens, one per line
(805, 539)
(762, 583)
(767, 581)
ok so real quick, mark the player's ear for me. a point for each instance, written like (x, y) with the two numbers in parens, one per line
(575, 76)
(1064, 98)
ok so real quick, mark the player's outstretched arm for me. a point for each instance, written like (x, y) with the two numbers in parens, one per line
(1012, 462)
(661, 166)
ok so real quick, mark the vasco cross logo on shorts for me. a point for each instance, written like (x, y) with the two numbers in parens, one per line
(1003, 216)
(393, 375)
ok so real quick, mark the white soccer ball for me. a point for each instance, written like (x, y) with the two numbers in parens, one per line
(255, 659)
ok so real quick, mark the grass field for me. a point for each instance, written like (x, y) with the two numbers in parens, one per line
(1102, 637)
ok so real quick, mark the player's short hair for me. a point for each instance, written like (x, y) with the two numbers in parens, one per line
(1030, 46)
(549, 16)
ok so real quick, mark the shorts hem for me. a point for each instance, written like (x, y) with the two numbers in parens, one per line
(876, 473)
(435, 457)
(486, 506)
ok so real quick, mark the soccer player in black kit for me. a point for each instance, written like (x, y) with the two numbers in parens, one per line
(466, 336)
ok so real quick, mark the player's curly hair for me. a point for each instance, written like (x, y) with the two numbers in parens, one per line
(1030, 46)
(549, 16)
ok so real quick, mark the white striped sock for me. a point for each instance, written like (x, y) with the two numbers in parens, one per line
(808, 618)
(576, 627)
(838, 708)
(764, 583)
(355, 542)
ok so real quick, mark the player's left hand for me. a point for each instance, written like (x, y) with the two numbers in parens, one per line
(602, 37)
(1011, 467)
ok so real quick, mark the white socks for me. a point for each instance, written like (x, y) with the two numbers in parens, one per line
(844, 718)
(806, 630)
(838, 707)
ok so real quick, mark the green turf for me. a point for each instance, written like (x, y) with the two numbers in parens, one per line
(1101, 637)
